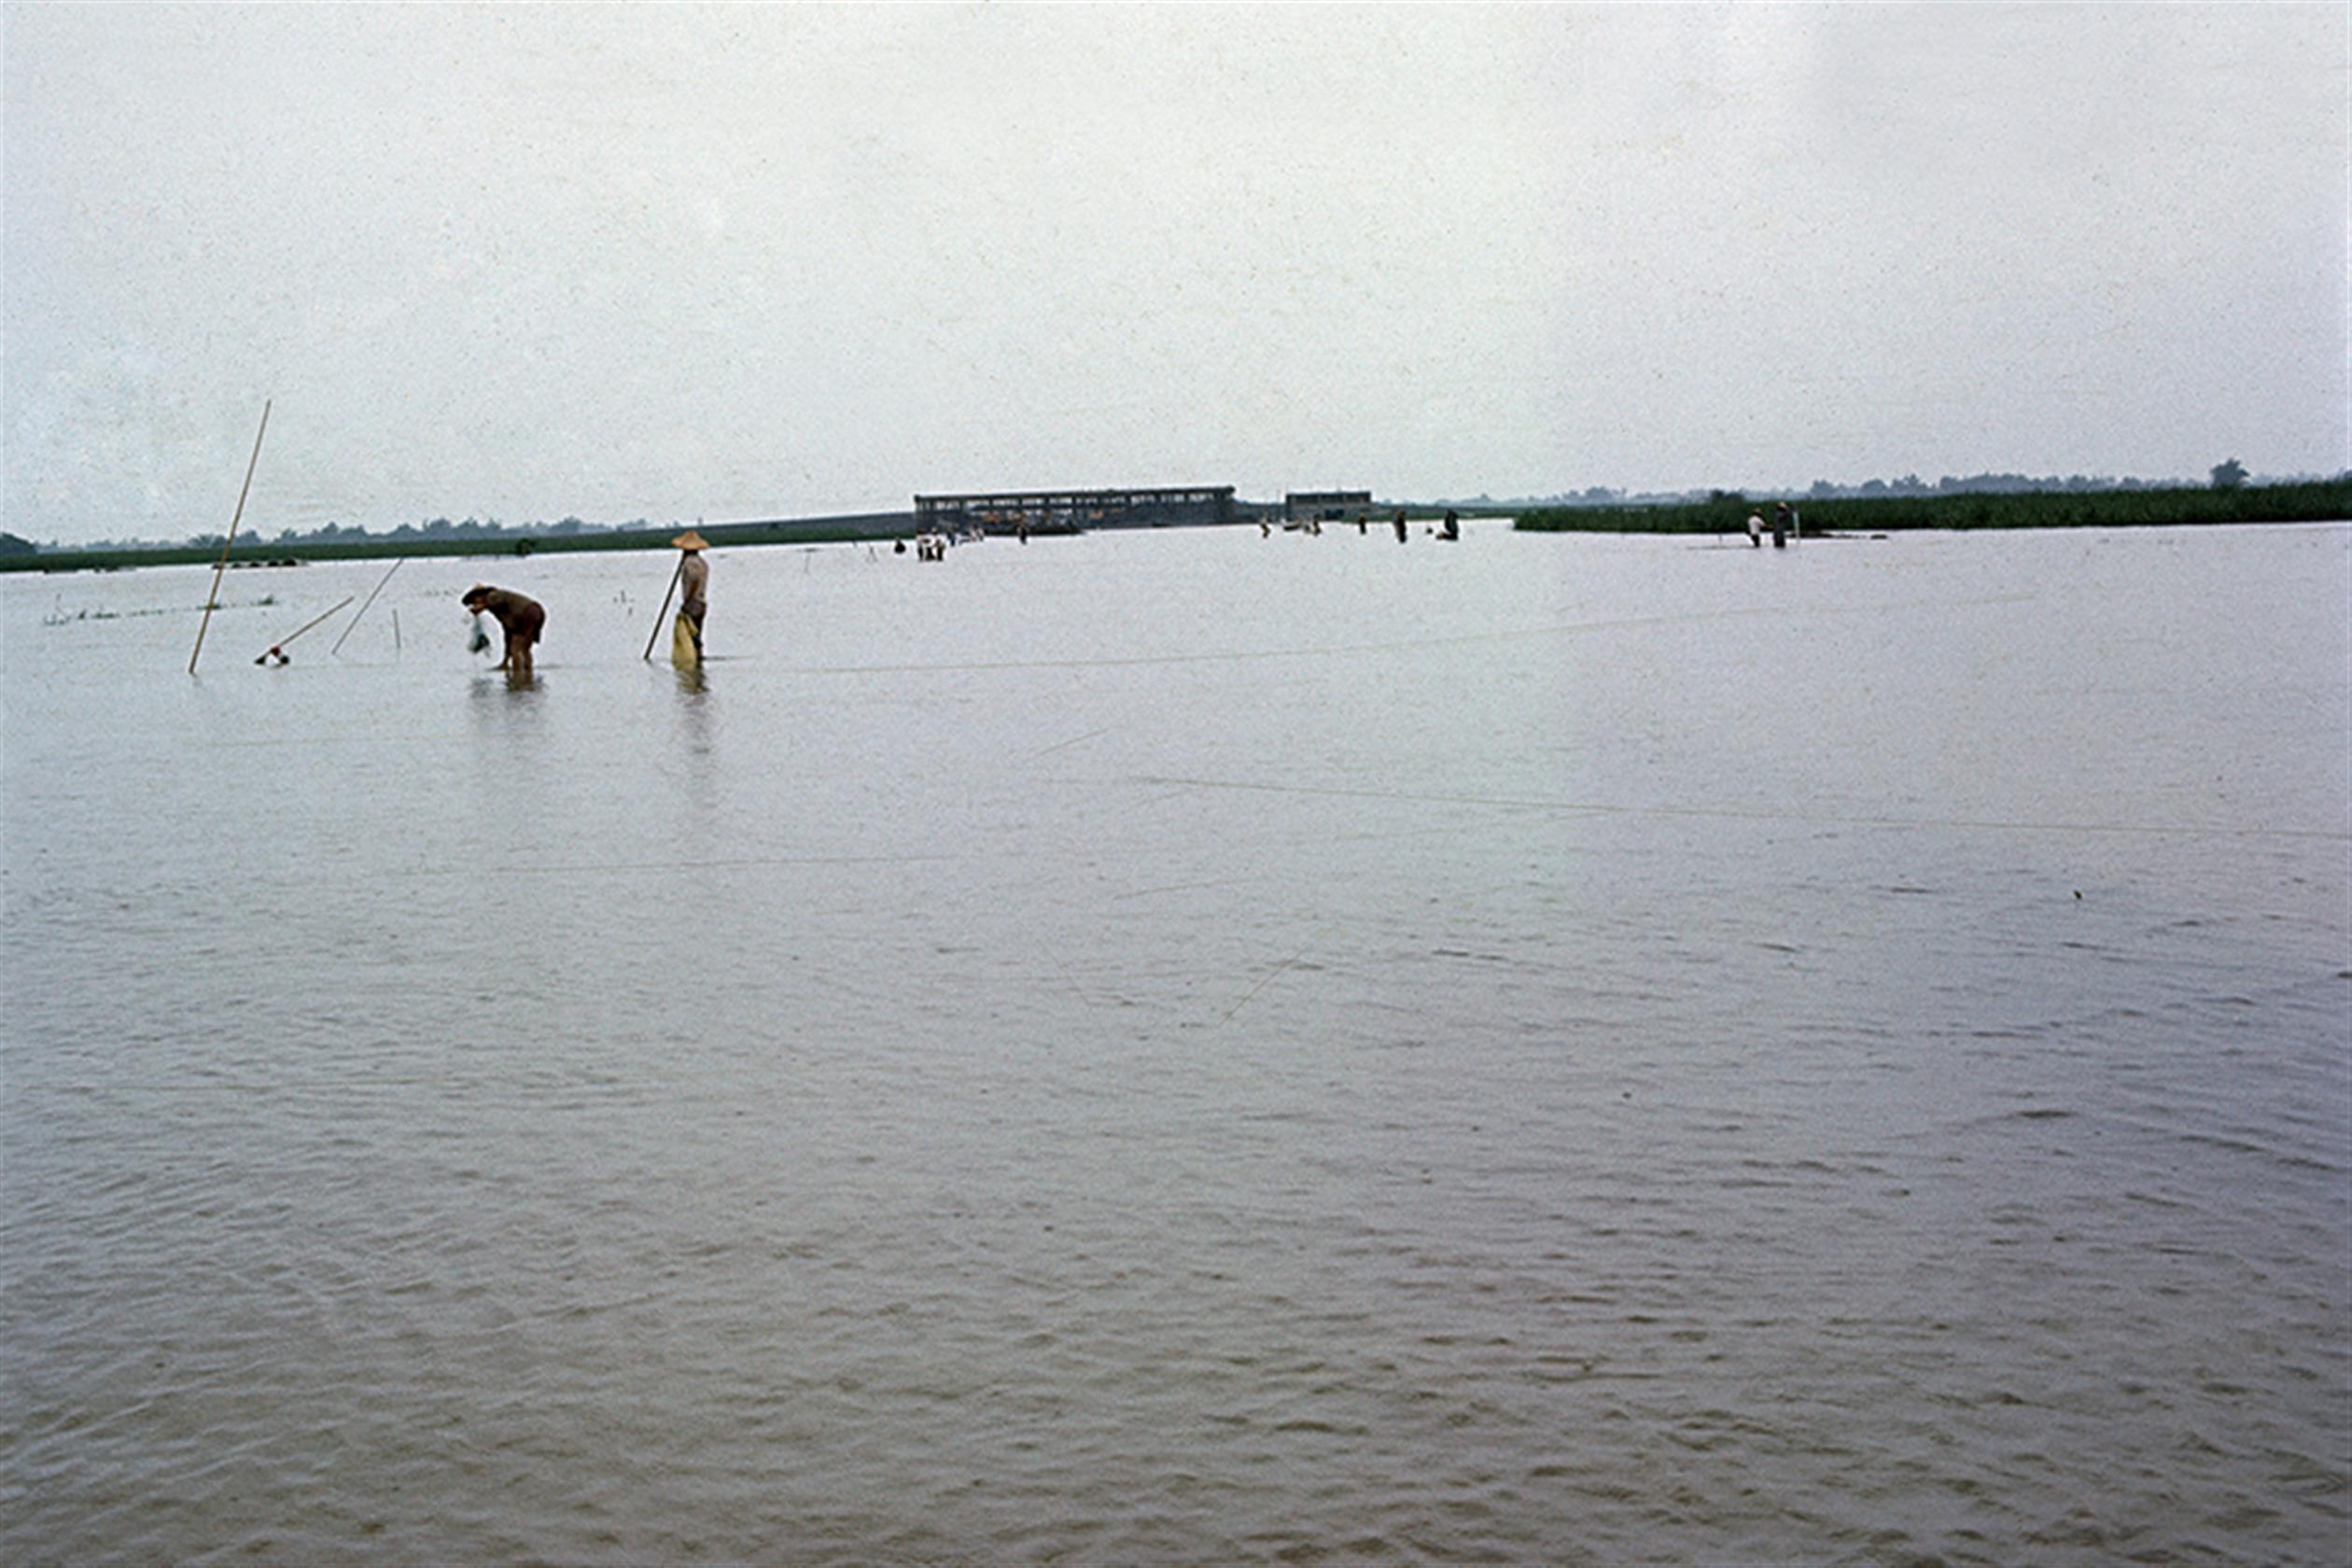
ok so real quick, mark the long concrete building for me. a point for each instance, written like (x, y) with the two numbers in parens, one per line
(1005, 512)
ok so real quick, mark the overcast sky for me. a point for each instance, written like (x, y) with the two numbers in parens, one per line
(754, 261)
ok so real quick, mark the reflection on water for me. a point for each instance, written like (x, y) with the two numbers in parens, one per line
(1193, 1047)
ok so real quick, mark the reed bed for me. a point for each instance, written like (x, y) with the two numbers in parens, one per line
(2320, 502)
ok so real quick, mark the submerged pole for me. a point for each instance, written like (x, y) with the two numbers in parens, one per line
(212, 597)
(363, 608)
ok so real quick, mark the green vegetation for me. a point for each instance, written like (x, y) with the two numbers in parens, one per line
(356, 544)
(1727, 512)
(1723, 512)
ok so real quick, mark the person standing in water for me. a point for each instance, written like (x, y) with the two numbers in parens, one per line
(693, 581)
(520, 616)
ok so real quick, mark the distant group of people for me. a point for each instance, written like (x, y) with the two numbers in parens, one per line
(1783, 524)
(1449, 529)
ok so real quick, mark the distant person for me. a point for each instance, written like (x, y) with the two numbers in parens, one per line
(521, 619)
(1780, 526)
(1400, 526)
(694, 582)
(1452, 527)
(1756, 530)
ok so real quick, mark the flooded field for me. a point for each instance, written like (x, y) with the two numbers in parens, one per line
(1188, 1047)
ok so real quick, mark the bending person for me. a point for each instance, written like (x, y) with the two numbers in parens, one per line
(521, 618)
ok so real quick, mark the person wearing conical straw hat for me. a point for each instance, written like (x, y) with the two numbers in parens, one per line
(693, 581)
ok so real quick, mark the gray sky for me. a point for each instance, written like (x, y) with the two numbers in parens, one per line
(684, 262)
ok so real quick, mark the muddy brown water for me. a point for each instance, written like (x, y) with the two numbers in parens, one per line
(1183, 1047)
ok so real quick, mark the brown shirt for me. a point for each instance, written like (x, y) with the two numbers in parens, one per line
(520, 616)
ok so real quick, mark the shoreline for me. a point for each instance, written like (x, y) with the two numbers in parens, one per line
(2324, 501)
(2329, 501)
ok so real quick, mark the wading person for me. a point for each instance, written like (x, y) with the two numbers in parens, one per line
(521, 619)
(693, 581)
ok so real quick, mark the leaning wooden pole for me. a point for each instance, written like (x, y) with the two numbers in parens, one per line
(363, 608)
(663, 614)
(212, 597)
(303, 628)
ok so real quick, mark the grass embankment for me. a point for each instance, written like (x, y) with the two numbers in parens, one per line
(2328, 502)
(823, 530)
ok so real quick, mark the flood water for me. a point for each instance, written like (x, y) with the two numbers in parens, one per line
(1185, 1047)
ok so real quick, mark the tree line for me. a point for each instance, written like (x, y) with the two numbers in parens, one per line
(435, 531)
(2228, 474)
(1725, 512)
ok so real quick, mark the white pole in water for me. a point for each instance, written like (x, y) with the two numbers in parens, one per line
(212, 597)
(363, 608)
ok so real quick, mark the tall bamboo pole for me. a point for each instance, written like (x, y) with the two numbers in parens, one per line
(661, 614)
(214, 596)
(363, 608)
